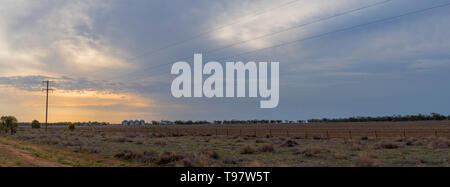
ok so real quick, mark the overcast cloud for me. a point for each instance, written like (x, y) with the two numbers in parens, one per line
(112, 48)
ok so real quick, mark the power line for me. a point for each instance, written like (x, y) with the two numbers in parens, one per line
(240, 20)
(301, 25)
(275, 33)
(339, 30)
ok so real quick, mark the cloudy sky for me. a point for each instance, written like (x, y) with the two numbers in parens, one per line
(111, 59)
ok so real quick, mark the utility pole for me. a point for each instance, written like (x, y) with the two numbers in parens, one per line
(46, 101)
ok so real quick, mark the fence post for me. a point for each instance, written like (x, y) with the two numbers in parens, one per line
(376, 135)
(227, 132)
(436, 133)
(216, 132)
(404, 133)
(350, 134)
(328, 135)
(270, 132)
(255, 132)
(240, 132)
(287, 132)
(306, 134)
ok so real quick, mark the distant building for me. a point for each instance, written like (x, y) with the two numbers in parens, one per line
(166, 123)
(133, 122)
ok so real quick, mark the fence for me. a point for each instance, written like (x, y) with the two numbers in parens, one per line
(289, 132)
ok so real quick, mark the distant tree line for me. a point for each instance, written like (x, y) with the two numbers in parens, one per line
(419, 117)
(9, 123)
(95, 123)
(222, 122)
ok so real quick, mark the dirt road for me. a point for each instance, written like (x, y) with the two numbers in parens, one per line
(26, 157)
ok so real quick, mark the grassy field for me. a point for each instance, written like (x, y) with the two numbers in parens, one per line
(324, 130)
(131, 146)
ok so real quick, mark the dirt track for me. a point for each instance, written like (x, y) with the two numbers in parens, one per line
(28, 157)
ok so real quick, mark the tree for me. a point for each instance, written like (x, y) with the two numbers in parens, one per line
(8, 123)
(71, 126)
(35, 124)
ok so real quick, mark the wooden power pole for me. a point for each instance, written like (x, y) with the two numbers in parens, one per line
(47, 89)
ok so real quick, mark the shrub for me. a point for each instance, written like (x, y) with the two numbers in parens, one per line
(193, 160)
(311, 151)
(289, 143)
(339, 156)
(365, 160)
(364, 138)
(127, 155)
(35, 124)
(267, 148)
(260, 141)
(211, 154)
(8, 124)
(71, 126)
(318, 137)
(247, 150)
(440, 143)
(356, 147)
(146, 157)
(411, 141)
(388, 145)
(168, 157)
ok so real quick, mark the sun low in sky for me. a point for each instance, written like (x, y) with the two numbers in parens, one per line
(110, 60)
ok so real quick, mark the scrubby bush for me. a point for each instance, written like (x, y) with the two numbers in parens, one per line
(311, 151)
(356, 147)
(339, 155)
(247, 150)
(289, 143)
(168, 157)
(440, 143)
(8, 124)
(267, 148)
(35, 124)
(365, 160)
(71, 126)
(388, 145)
(210, 154)
(145, 157)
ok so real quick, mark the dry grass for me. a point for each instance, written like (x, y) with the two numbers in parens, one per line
(254, 163)
(440, 143)
(147, 148)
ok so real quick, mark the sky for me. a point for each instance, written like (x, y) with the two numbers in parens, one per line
(110, 60)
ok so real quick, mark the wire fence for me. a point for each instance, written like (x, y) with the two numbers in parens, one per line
(316, 133)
